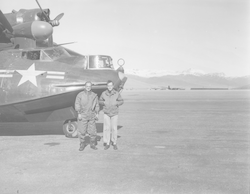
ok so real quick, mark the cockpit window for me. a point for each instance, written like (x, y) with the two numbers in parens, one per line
(46, 54)
(45, 57)
(100, 62)
(31, 55)
(56, 53)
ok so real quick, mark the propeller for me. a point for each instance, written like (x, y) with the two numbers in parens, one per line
(45, 15)
(53, 23)
(57, 18)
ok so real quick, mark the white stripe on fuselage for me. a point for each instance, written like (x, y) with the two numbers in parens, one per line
(55, 72)
(6, 71)
(54, 77)
(6, 75)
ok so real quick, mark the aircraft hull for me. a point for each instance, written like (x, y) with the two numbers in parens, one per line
(35, 91)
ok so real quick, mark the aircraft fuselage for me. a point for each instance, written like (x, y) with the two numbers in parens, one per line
(41, 81)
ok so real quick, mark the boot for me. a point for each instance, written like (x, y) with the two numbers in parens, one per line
(106, 147)
(82, 146)
(92, 144)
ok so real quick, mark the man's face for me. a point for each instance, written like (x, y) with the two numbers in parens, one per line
(110, 86)
(88, 87)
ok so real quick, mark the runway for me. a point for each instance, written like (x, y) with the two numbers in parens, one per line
(169, 142)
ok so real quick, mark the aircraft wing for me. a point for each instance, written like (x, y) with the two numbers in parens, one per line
(95, 84)
(51, 108)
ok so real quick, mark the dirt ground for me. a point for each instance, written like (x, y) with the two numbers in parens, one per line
(169, 142)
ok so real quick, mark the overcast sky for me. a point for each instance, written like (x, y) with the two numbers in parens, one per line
(207, 35)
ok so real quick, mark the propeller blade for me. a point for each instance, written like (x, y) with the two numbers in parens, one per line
(59, 16)
(45, 15)
(5, 22)
(65, 43)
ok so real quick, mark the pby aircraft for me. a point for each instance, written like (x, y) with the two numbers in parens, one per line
(39, 79)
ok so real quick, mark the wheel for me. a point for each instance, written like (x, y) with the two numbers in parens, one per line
(70, 129)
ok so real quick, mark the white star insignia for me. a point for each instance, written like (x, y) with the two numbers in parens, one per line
(29, 75)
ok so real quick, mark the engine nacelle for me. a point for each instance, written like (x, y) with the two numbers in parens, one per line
(37, 30)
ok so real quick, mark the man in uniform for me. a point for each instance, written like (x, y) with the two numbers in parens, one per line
(111, 100)
(87, 107)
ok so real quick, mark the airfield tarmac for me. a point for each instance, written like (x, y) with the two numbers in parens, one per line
(169, 142)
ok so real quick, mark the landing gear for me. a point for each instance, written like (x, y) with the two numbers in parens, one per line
(70, 128)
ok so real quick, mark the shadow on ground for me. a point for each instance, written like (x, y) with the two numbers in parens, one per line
(29, 129)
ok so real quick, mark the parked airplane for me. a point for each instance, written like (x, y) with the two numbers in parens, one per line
(39, 79)
(175, 88)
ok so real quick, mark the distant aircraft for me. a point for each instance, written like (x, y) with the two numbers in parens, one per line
(165, 88)
(39, 79)
(175, 88)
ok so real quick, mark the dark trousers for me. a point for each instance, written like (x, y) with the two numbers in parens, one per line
(86, 126)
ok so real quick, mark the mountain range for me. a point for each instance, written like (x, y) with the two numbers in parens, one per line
(147, 79)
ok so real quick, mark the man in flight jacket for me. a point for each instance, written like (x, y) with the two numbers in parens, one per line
(87, 107)
(111, 100)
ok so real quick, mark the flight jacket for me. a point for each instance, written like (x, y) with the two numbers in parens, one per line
(87, 104)
(111, 102)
